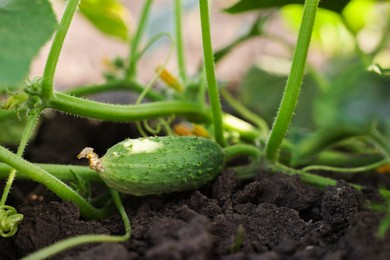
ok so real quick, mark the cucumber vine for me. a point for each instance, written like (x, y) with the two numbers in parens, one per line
(186, 101)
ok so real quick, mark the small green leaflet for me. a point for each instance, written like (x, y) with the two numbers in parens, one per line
(251, 5)
(261, 91)
(109, 16)
(25, 26)
(15, 126)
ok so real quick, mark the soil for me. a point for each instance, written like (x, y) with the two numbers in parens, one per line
(271, 216)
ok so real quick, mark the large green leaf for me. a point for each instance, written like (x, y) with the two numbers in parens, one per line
(25, 26)
(356, 97)
(109, 16)
(261, 91)
(250, 5)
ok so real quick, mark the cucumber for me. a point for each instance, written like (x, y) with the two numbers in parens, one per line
(156, 165)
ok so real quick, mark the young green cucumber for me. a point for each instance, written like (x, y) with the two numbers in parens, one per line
(156, 165)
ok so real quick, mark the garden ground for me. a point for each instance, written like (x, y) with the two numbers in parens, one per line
(272, 216)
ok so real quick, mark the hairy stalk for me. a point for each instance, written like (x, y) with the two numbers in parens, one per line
(86, 239)
(56, 47)
(125, 113)
(114, 85)
(216, 108)
(28, 131)
(291, 93)
(179, 41)
(132, 67)
(54, 184)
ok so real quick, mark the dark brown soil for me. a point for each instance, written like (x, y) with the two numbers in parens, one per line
(278, 216)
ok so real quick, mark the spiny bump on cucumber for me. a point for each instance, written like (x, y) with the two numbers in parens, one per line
(156, 165)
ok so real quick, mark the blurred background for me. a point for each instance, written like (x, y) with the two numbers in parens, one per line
(346, 81)
(86, 49)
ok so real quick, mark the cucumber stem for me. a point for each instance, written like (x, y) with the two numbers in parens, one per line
(216, 108)
(133, 56)
(28, 131)
(62, 172)
(179, 41)
(56, 47)
(125, 113)
(293, 86)
(242, 149)
(57, 186)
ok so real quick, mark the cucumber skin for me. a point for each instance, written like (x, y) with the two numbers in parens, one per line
(171, 164)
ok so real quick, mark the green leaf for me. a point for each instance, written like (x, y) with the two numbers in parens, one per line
(261, 91)
(25, 26)
(356, 97)
(109, 16)
(251, 5)
(15, 127)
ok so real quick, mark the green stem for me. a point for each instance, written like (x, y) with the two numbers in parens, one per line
(312, 179)
(179, 41)
(216, 108)
(317, 180)
(150, 84)
(52, 183)
(114, 85)
(56, 46)
(320, 140)
(132, 68)
(245, 112)
(28, 131)
(290, 96)
(345, 170)
(242, 149)
(152, 41)
(62, 172)
(340, 159)
(322, 82)
(86, 239)
(158, 73)
(125, 113)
